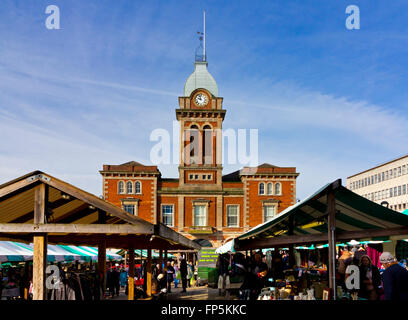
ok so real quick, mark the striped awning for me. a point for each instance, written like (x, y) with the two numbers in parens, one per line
(228, 247)
(143, 253)
(12, 252)
(310, 216)
(90, 253)
(19, 252)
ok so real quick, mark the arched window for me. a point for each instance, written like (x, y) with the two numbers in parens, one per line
(278, 189)
(193, 143)
(138, 187)
(207, 144)
(269, 188)
(129, 187)
(262, 188)
(121, 187)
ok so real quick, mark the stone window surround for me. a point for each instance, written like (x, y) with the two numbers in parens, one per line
(200, 202)
(265, 188)
(259, 188)
(238, 215)
(200, 176)
(133, 187)
(161, 213)
(269, 203)
(129, 185)
(129, 201)
(124, 186)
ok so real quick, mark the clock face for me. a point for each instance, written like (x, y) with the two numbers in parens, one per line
(201, 99)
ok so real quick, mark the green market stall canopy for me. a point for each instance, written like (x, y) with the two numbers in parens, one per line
(19, 252)
(307, 221)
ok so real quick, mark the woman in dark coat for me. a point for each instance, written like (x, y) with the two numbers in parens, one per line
(370, 279)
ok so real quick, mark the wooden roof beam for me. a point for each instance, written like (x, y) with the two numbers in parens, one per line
(75, 228)
(316, 238)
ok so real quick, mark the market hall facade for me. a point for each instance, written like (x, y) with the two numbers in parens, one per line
(202, 204)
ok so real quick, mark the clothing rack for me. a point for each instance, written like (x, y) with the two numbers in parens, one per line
(74, 285)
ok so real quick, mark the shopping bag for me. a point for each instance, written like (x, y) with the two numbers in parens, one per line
(227, 282)
(220, 282)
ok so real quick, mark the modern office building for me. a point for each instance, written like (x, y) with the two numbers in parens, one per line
(385, 184)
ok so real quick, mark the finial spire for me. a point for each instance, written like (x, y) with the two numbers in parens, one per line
(198, 56)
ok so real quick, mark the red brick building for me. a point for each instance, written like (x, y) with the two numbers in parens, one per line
(203, 203)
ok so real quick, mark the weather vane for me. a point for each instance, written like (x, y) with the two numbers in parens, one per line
(202, 43)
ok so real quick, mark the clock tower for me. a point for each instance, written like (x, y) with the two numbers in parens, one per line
(202, 204)
(200, 114)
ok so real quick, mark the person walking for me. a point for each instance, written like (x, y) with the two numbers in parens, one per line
(223, 276)
(196, 278)
(344, 260)
(170, 276)
(160, 277)
(123, 277)
(183, 274)
(190, 273)
(395, 278)
(110, 281)
(176, 274)
(370, 279)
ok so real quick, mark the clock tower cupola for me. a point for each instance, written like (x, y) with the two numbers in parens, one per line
(200, 114)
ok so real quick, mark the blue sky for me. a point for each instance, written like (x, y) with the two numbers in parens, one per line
(325, 99)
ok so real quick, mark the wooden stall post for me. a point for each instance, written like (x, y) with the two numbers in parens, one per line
(131, 283)
(40, 243)
(149, 273)
(39, 266)
(161, 259)
(102, 265)
(292, 260)
(331, 207)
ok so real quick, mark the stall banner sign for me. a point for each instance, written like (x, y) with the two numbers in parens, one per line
(207, 258)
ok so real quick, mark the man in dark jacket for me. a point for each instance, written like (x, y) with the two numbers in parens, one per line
(111, 281)
(183, 273)
(395, 278)
(170, 276)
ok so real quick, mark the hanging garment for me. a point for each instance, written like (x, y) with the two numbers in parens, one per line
(298, 260)
(268, 259)
(374, 251)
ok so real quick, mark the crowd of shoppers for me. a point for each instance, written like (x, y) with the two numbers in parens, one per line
(389, 283)
(176, 271)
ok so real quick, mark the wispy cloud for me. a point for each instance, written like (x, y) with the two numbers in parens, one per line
(92, 93)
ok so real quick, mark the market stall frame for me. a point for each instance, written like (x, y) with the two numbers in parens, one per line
(40, 208)
(331, 205)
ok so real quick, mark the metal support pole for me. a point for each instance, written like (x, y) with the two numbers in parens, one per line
(131, 281)
(149, 273)
(332, 241)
